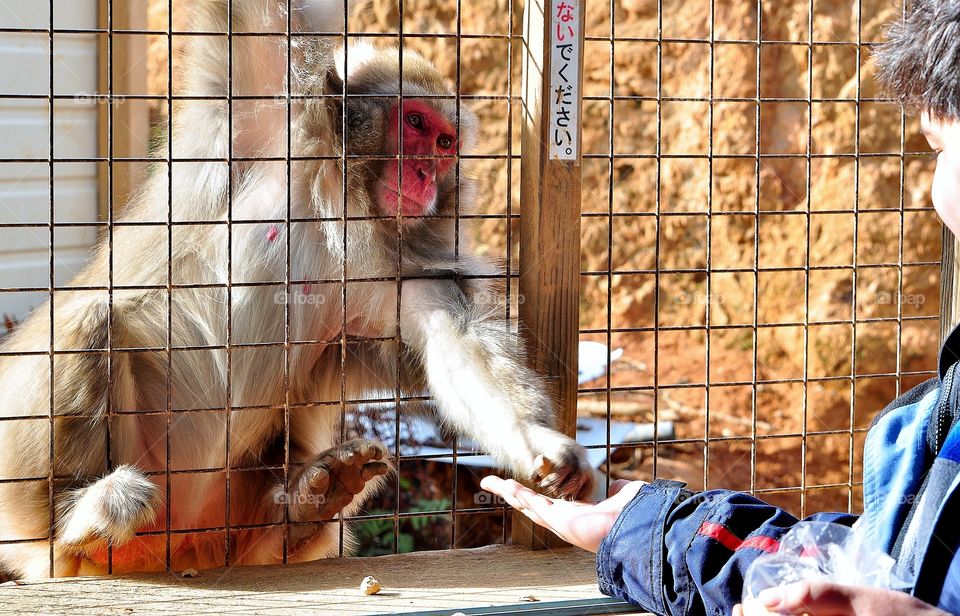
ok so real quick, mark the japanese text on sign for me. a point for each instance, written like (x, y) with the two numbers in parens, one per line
(564, 79)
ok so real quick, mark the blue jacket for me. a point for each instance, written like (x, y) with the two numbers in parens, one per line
(672, 551)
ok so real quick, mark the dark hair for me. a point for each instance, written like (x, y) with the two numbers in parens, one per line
(920, 62)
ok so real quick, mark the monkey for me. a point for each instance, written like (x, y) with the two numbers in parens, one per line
(185, 409)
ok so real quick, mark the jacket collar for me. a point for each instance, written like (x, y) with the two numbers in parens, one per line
(950, 351)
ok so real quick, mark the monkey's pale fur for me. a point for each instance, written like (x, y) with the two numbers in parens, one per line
(453, 346)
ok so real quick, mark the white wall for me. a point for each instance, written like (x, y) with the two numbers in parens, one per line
(25, 133)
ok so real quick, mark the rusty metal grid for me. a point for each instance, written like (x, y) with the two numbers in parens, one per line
(606, 390)
(794, 496)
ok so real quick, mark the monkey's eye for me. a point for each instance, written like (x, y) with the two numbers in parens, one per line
(415, 120)
(445, 142)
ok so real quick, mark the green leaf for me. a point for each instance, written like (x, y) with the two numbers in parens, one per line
(405, 543)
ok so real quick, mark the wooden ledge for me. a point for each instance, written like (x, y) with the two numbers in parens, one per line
(448, 580)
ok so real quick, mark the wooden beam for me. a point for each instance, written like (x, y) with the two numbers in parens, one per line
(496, 577)
(130, 119)
(949, 284)
(550, 208)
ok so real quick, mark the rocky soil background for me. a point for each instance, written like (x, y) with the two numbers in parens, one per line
(688, 214)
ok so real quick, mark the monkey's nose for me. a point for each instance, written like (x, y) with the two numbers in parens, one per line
(426, 173)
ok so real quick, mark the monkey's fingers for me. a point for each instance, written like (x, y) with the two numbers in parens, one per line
(374, 469)
(564, 471)
(544, 466)
(569, 483)
(569, 480)
(347, 483)
(359, 452)
(358, 462)
(316, 480)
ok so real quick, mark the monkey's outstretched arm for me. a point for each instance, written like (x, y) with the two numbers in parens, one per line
(475, 371)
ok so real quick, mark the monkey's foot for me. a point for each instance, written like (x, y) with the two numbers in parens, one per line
(331, 481)
(110, 509)
(564, 471)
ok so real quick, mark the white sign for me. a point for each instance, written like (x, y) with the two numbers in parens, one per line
(564, 79)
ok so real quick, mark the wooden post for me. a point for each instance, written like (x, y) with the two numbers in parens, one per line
(550, 209)
(949, 284)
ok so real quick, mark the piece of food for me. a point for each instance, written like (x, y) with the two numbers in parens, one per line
(370, 585)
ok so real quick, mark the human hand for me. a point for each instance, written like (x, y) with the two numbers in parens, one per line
(831, 599)
(581, 524)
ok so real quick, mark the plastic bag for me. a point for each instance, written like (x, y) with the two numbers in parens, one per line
(822, 551)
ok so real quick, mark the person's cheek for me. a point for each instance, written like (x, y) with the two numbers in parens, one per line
(946, 190)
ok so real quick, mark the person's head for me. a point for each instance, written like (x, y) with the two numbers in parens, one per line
(920, 63)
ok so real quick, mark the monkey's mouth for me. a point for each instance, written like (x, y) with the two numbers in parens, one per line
(392, 200)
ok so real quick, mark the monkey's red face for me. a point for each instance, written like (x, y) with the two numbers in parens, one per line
(429, 144)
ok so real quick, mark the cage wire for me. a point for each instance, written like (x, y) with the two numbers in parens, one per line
(730, 432)
(757, 240)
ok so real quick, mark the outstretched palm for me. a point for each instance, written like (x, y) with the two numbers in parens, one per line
(582, 524)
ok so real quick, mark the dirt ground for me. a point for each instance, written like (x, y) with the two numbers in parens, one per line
(729, 215)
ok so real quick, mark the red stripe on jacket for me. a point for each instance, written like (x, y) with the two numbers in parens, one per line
(722, 534)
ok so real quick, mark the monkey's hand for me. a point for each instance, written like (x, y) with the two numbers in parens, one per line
(561, 468)
(333, 479)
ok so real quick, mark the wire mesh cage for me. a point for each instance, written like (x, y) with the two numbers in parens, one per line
(776, 294)
(758, 264)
